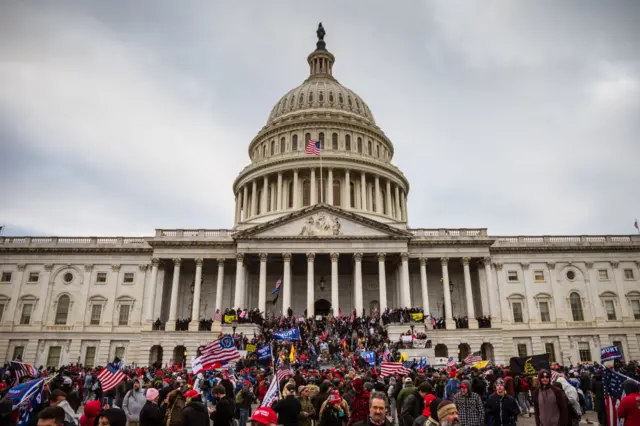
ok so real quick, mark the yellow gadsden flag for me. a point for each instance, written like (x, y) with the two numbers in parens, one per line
(481, 364)
(292, 354)
(403, 357)
(417, 316)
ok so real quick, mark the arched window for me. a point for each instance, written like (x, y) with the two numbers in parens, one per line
(378, 151)
(283, 145)
(369, 148)
(321, 97)
(337, 194)
(360, 145)
(273, 147)
(294, 143)
(352, 195)
(576, 306)
(349, 101)
(331, 97)
(347, 143)
(334, 141)
(321, 139)
(62, 310)
(321, 186)
(340, 99)
(310, 97)
(307, 138)
(290, 195)
(301, 100)
(306, 192)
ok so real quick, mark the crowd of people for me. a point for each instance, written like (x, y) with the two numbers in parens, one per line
(324, 381)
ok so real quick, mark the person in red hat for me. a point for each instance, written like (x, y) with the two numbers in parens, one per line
(194, 412)
(264, 416)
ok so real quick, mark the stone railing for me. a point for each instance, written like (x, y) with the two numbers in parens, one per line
(194, 233)
(442, 232)
(568, 239)
(73, 241)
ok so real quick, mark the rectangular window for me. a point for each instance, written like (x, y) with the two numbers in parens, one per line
(538, 275)
(25, 318)
(90, 356)
(6, 277)
(34, 277)
(628, 274)
(128, 277)
(545, 316)
(635, 306)
(101, 278)
(123, 318)
(611, 310)
(551, 351)
(584, 352)
(120, 352)
(96, 314)
(53, 359)
(18, 353)
(512, 276)
(603, 274)
(522, 349)
(517, 312)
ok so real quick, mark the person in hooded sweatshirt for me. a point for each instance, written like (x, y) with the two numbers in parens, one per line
(629, 408)
(91, 411)
(112, 417)
(194, 413)
(133, 402)
(549, 403)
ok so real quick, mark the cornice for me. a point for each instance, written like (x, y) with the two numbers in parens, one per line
(57, 249)
(191, 243)
(566, 249)
(450, 241)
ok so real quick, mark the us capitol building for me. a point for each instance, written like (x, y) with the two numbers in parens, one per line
(339, 238)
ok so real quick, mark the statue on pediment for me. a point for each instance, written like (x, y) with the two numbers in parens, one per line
(320, 225)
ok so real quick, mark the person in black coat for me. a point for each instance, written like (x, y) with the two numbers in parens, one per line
(194, 412)
(150, 414)
(501, 409)
(413, 404)
(288, 408)
(222, 413)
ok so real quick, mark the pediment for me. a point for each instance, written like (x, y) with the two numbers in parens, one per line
(323, 222)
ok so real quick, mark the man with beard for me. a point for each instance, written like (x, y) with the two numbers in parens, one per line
(501, 408)
(549, 403)
(377, 411)
(469, 405)
(448, 414)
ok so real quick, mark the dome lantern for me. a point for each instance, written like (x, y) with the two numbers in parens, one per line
(321, 60)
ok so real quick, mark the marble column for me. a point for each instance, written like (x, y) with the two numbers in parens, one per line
(501, 283)
(363, 192)
(406, 290)
(314, 190)
(347, 190)
(151, 295)
(378, 195)
(329, 199)
(219, 285)
(397, 203)
(279, 191)
(382, 281)
(310, 284)
(237, 212)
(471, 312)
(424, 287)
(262, 283)
(335, 299)
(265, 195)
(254, 198)
(245, 202)
(357, 258)
(494, 305)
(238, 297)
(558, 298)
(618, 279)
(194, 325)
(388, 198)
(530, 302)
(296, 197)
(175, 287)
(286, 283)
(403, 206)
(448, 313)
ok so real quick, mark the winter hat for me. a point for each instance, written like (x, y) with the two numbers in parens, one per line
(408, 381)
(265, 416)
(152, 393)
(499, 382)
(544, 373)
(433, 407)
(445, 408)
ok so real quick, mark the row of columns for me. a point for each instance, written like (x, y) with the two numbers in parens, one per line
(247, 198)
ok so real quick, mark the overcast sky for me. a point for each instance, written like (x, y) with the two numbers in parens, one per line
(118, 117)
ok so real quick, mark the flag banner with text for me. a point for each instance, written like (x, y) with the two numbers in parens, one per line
(417, 316)
(264, 352)
(250, 348)
(610, 353)
(228, 319)
(529, 365)
(369, 357)
(420, 343)
(287, 335)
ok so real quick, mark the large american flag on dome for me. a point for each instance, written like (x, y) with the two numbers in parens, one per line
(313, 147)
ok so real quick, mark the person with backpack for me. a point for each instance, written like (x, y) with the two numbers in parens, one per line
(244, 398)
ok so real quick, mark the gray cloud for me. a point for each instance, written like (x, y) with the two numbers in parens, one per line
(118, 117)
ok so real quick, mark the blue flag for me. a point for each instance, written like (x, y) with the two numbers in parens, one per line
(610, 353)
(287, 335)
(369, 357)
(264, 352)
(25, 397)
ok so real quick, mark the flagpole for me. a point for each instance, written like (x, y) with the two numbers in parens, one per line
(321, 177)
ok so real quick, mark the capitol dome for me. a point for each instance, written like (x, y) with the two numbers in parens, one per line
(353, 172)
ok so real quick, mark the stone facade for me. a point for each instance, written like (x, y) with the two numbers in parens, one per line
(346, 245)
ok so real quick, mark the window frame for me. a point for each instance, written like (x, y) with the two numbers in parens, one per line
(581, 349)
(517, 276)
(580, 305)
(537, 273)
(15, 352)
(546, 302)
(100, 274)
(58, 356)
(31, 275)
(93, 358)
(31, 306)
(60, 312)
(606, 275)
(122, 323)
(552, 353)
(611, 314)
(632, 275)
(6, 276)
(132, 275)
(519, 349)
(91, 314)
(521, 313)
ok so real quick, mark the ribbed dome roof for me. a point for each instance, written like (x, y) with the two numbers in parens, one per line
(321, 91)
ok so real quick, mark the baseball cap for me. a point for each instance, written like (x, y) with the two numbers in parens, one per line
(265, 416)
(191, 394)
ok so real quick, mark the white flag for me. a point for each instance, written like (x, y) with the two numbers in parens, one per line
(272, 394)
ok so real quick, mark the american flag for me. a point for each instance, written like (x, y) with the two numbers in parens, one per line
(612, 381)
(283, 373)
(313, 148)
(222, 350)
(473, 358)
(218, 316)
(110, 376)
(388, 368)
(451, 362)
(20, 370)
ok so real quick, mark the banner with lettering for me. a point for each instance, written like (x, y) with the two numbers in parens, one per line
(287, 335)
(420, 343)
(610, 353)
(406, 339)
(228, 319)
(264, 352)
(369, 357)
(417, 317)
(250, 348)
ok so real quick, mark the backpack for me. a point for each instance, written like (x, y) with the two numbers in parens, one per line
(239, 398)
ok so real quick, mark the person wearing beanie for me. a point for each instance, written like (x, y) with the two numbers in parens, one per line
(150, 414)
(502, 409)
(90, 412)
(448, 414)
(549, 402)
(469, 405)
